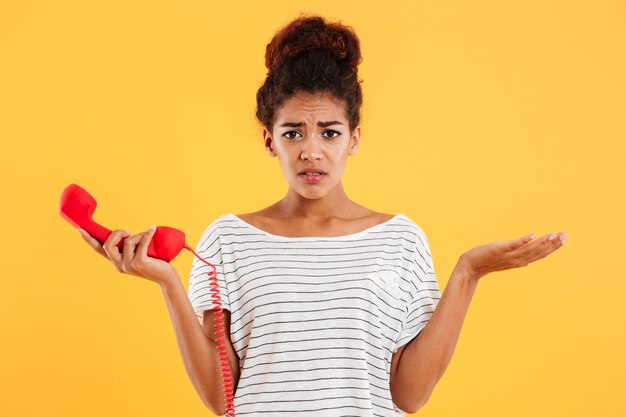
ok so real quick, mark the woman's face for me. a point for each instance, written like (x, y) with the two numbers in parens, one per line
(311, 131)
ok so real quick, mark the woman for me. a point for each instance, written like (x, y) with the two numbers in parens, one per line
(324, 299)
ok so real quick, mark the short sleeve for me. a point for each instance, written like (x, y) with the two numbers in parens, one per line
(423, 291)
(199, 291)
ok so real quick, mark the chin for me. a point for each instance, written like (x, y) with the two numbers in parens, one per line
(311, 191)
(312, 194)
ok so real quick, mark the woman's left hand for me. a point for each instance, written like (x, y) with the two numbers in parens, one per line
(508, 254)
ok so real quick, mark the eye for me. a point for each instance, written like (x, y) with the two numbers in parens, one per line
(290, 132)
(333, 131)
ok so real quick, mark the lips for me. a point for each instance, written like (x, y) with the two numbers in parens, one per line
(311, 171)
(312, 177)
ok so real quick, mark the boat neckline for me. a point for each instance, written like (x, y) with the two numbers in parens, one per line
(351, 235)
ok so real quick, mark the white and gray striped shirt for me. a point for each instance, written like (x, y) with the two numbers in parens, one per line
(316, 320)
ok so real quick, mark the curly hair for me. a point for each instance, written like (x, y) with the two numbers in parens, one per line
(311, 55)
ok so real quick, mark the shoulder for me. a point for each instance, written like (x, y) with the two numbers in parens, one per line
(251, 217)
(382, 217)
(410, 224)
(213, 227)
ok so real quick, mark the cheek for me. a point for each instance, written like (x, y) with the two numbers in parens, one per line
(287, 164)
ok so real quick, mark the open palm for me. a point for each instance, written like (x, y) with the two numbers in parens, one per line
(508, 254)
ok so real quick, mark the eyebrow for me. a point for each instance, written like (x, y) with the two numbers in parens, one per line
(320, 124)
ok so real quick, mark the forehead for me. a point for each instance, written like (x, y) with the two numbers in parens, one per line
(302, 106)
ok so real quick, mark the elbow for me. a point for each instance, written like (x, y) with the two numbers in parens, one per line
(214, 402)
(217, 409)
(413, 408)
(416, 404)
(409, 408)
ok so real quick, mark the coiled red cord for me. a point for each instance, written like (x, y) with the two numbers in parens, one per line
(227, 378)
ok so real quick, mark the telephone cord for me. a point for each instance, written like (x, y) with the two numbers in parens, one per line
(220, 342)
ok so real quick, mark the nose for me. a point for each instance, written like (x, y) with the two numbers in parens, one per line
(311, 149)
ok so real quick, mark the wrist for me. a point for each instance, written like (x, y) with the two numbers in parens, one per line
(169, 282)
(465, 271)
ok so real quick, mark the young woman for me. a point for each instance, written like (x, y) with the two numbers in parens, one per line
(331, 308)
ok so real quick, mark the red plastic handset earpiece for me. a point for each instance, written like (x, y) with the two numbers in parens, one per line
(77, 207)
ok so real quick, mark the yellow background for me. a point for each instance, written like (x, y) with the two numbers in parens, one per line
(482, 121)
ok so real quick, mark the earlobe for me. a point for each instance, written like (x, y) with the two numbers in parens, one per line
(355, 141)
(269, 145)
(269, 148)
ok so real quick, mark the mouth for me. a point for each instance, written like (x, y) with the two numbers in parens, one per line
(312, 177)
(311, 171)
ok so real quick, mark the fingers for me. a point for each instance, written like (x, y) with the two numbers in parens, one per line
(552, 242)
(129, 251)
(135, 248)
(142, 248)
(521, 241)
(91, 241)
(135, 251)
(111, 249)
(542, 247)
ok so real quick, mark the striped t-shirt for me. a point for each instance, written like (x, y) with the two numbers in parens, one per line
(315, 320)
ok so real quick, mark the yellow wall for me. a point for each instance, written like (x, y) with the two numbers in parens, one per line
(482, 121)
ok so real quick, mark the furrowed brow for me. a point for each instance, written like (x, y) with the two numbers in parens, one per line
(320, 124)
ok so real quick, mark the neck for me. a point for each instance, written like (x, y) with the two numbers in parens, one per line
(332, 205)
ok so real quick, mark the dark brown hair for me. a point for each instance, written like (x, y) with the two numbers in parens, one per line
(311, 55)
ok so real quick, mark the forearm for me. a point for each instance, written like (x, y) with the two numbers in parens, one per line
(199, 352)
(426, 357)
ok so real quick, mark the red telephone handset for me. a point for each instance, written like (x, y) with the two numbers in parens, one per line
(77, 207)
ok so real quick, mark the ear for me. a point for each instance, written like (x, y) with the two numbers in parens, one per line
(355, 140)
(269, 144)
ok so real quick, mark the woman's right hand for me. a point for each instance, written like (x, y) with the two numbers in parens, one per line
(133, 259)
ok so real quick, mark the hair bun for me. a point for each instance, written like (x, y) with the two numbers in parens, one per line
(337, 45)
(313, 32)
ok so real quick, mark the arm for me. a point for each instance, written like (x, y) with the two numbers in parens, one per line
(197, 346)
(423, 360)
(420, 363)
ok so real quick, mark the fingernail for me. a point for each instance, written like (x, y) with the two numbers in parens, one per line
(563, 238)
(534, 235)
(151, 227)
(552, 236)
